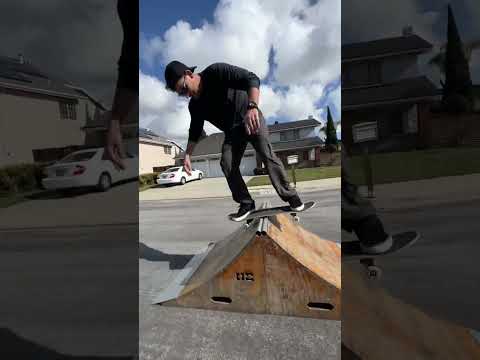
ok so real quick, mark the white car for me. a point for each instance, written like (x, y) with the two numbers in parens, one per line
(86, 168)
(177, 175)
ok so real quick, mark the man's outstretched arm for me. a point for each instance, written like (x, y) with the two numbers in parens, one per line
(126, 93)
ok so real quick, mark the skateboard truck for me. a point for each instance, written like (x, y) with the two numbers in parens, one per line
(373, 271)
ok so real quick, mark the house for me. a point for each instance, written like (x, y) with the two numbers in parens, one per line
(41, 117)
(385, 100)
(290, 138)
(156, 153)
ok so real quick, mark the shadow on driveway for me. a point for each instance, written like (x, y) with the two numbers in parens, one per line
(16, 347)
(69, 193)
(176, 262)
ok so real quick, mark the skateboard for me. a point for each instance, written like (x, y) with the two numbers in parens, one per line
(266, 212)
(351, 250)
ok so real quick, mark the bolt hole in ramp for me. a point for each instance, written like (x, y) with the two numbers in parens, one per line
(221, 300)
(320, 306)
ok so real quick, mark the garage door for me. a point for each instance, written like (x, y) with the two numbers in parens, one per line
(212, 168)
(248, 164)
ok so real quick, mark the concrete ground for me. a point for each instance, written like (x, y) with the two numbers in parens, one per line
(171, 232)
(218, 187)
(428, 192)
(69, 290)
(439, 273)
(84, 207)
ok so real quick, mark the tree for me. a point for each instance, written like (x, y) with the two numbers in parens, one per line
(331, 141)
(457, 88)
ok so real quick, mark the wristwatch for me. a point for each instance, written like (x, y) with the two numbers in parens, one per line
(252, 105)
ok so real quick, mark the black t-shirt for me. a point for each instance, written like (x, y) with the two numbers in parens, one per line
(223, 100)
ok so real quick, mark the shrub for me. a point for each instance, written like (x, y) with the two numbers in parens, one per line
(22, 177)
(148, 179)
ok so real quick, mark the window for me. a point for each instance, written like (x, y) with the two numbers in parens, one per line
(374, 72)
(290, 135)
(410, 120)
(168, 150)
(68, 111)
(78, 156)
(364, 131)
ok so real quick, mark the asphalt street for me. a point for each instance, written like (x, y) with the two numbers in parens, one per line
(171, 232)
(70, 291)
(440, 273)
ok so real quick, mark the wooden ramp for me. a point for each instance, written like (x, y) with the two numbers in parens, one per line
(375, 325)
(273, 266)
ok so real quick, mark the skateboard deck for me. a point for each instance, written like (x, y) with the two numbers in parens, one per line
(274, 211)
(352, 251)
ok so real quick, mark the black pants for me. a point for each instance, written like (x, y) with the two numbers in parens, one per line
(236, 141)
(358, 214)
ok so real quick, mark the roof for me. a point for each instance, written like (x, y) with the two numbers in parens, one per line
(293, 125)
(384, 47)
(297, 144)
(148, 136)
(22, 75)
(212, 145)
(412, 89)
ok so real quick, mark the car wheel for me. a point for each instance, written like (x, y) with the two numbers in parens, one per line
(200, 176)
(104, 182)
(183, 181)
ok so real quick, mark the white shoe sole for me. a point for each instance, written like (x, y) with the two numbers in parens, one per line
(241, 218)
(299, 208)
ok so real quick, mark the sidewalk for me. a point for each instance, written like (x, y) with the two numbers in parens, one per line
(218, 187)
(302, 187)
(424, 193)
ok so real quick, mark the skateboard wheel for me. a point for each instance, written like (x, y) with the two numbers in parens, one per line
(374, 272)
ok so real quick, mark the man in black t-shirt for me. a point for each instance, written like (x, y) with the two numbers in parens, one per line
(227, 96)
(126, 93)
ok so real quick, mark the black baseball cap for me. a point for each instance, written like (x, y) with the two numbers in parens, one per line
(174, 71)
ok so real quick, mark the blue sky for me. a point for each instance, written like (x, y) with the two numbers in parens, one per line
(294, 55)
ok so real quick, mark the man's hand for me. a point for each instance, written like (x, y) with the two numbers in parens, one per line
(114, 148)
(252, 121)
(187, 165)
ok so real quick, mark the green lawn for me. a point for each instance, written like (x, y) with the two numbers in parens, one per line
(415, 165)
(301, 175)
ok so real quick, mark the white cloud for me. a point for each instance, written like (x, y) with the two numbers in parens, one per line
(164, 112)
(305, 40)
(380, 19)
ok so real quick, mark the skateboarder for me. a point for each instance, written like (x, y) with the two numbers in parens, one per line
(359, 216)
(126, 94)
(227, 96)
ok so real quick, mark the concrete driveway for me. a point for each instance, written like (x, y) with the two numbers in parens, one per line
(205, 188)
(218, 188)
(171, 232)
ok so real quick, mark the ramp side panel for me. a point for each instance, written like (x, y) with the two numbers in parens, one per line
(291, 288)
(175, 288)
(242, 281)
(220, 256)
(322, 257)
